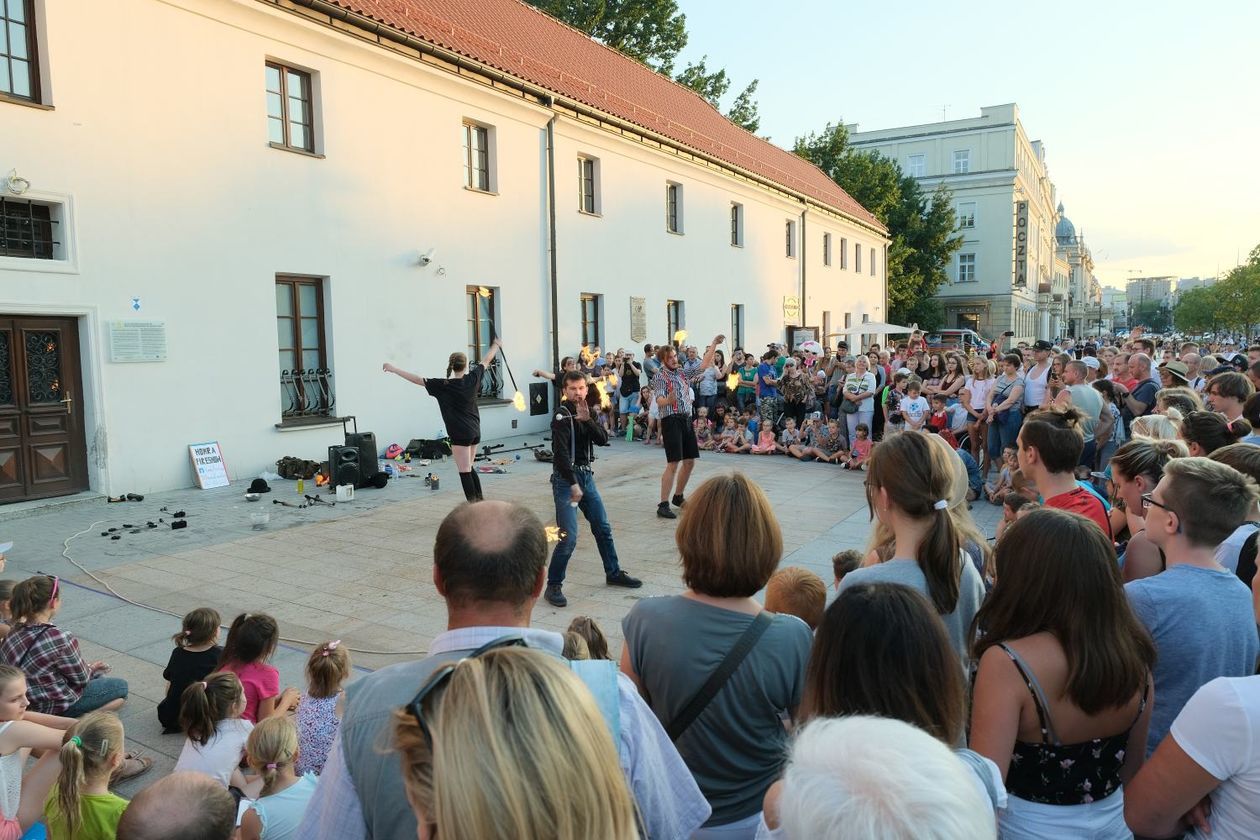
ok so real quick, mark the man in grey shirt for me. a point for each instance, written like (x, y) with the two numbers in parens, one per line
(1199, 614)
(489, 564)
(1089, 402)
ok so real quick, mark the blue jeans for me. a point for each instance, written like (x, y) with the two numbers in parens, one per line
(97, 693)
(1004, 431)
(743, 399)
(592, 507)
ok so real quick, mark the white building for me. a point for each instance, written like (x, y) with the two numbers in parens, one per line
(1005, 276)
(1084, 304)
(1115, 308)
(224, 215)
(1143, 290)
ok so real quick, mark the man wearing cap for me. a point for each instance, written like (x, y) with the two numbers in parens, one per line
(1081, 396)
(1035, 378)
(1091, 367)
(1174, 374)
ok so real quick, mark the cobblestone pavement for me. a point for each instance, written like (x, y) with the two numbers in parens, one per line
(361, 571)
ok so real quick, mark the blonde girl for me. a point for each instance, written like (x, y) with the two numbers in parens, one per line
(80, 806)
(320, 707)
(457, 401)
(22, 796)
(549, 771)
(273, 752)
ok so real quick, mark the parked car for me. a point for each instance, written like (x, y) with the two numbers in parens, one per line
(961, 340)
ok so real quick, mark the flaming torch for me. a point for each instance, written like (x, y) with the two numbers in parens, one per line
(680, 337)
(518, 399)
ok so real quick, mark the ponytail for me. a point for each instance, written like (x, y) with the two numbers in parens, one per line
(272, 744)
(457, 361)
(203, 704)
(940, 558)
(85, 756)
(31, 597)
(327, 669)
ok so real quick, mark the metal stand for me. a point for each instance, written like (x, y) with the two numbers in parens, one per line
(495, 449)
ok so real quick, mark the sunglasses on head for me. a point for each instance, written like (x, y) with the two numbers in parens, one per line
(438, 679)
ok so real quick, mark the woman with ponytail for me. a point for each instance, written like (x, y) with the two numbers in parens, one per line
(457, 400)
(1136, 468)
(80, 806)
(272, 750)
(908, 488)
(1206, 431)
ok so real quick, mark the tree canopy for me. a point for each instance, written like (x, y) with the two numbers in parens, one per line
(654, 32)
(923, 227)
(1233, 303)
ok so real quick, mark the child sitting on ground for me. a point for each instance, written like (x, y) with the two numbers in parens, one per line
(1024, 486)
(742, 444)
(788, 438)
(703, 428)
(727, 440)
(793, 590)
(210, 715)
(320, 706)
(251, 641)
(196, 654)
(914, 408)
(843, 563)
(752, 421)
(765, 444)
(1012, 505)
(941, 419)
(589, 630)
(80, 806)
(996, 491)
(826, 445)
(273, 752)
(861, 448)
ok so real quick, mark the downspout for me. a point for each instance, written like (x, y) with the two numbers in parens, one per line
(804, 319)
(551, 235)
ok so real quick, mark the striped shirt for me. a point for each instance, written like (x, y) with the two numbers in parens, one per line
(668, 383)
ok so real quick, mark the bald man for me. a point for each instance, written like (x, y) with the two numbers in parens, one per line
(190, 806)
(1194, 363)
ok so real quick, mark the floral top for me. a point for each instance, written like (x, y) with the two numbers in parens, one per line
(795, 388)
(317, 724)
(1053, 773)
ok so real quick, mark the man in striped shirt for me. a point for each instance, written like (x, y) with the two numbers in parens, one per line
(671, 388)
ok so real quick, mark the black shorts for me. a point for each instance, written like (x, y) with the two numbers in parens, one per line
(679, 438)
(466, 442)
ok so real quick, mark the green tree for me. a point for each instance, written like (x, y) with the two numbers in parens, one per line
(1153, 315)
(654, 32)
(1196, 312)
(1238, 295)
(923, 228)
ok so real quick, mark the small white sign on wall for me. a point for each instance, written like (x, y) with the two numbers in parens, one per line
(137, 341)
(207, 461)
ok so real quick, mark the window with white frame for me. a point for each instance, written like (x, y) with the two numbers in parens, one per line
(916, 167)
(966, 268)
(32, 230)
(477, 157)
(826, 249)
(962, 161)
(790, 229)
(588, 185)
(737, 224)
(844, 252)
(966, 214)
(673, 207)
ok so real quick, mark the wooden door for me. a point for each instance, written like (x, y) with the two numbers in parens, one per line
(43, 452)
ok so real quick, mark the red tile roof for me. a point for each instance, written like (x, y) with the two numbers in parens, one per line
(517, 39)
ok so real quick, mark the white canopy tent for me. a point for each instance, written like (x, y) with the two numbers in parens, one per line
(871, 327)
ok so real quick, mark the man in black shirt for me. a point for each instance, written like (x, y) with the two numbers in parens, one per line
(573, 432)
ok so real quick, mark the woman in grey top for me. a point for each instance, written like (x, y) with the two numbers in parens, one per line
(908, 488)
(730, 543)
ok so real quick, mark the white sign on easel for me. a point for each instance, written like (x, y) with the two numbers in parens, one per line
(207, 460)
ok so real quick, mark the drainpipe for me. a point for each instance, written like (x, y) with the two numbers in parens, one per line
(804, 319)
(551, 237)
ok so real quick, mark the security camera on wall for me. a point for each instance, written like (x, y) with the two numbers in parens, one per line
(427, 256)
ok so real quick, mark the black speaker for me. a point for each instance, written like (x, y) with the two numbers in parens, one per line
(343, 466)
(365, 442)
(538, 398)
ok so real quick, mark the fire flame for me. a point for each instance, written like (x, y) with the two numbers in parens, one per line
(519, 401)
(587, 354)
(680, 336)
(554, 534)
(604, 402)
(483, 291)
(732, 381)
(612, 380)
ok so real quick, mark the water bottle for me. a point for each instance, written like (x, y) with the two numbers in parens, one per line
(301, 486)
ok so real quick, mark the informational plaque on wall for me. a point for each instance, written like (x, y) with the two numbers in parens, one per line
(207, 461)
(638, 319)
(137, 341)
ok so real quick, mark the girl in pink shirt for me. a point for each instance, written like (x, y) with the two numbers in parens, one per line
(860, 449)
(250, 643)
(765, 443)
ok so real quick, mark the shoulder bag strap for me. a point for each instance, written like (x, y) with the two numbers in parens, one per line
(718, 678)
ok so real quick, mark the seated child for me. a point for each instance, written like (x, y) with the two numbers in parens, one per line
(941, 419)
(1012, 505)
(828, 444)
(728, 440)
(793, 590)
(765, 444)
(196, 654)
(805, 441)
(914, 408)
(1024, 486)
(703, 428)
(860, 448)
(593, 635)
(741, 443)
(789, 437)
(752, 420)
(843, 563)
(997, 491)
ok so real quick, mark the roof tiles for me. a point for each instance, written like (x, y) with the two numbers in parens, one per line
(517, 39)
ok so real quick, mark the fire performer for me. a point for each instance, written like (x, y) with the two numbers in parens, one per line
(671, 389)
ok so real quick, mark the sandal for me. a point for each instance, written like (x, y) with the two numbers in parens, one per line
(131, 767)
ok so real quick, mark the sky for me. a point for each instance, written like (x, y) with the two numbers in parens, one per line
(1149, 112)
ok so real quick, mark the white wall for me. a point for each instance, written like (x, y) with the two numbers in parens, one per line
(158, 140)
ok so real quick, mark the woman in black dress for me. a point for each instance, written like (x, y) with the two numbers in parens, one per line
(457, 400)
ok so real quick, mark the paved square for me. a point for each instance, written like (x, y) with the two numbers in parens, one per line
(361, 571)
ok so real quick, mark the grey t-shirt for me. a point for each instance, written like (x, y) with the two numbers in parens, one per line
(1204, 627)
(737, 746)
(908, 573)
(1088, 402)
